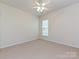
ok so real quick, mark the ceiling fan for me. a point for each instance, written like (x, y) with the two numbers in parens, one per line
(40, 6)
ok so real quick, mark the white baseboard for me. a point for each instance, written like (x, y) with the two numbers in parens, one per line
(16, 43)
(63, 43)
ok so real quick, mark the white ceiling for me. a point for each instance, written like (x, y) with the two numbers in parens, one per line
(27, 5)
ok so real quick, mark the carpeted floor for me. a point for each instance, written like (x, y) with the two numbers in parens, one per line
(39, 49)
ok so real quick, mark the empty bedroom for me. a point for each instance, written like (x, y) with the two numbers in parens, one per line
(39, 29)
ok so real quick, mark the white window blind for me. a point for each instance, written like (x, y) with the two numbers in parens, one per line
(45, 27)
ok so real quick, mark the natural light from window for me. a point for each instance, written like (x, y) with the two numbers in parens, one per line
(45, 28)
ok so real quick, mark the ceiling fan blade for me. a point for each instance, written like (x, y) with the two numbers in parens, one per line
(44, 4)
(35, 7)
(37, 3)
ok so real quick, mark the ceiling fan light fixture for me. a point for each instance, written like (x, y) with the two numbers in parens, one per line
(43, 4)
(40, 7)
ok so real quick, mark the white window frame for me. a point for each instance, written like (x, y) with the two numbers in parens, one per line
(44, 28)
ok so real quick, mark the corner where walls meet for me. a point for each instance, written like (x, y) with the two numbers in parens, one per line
(17, 26)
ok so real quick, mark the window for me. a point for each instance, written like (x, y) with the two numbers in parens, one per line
(45, 27)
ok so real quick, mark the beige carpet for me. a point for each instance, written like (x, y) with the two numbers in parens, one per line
(39, 49)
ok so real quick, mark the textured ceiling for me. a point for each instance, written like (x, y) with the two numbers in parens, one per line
(27, 5)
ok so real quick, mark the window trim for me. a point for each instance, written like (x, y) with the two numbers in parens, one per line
(42, 28)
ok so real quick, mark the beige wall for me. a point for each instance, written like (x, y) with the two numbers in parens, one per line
(17, 26)
(0, 27)
(64, 26)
